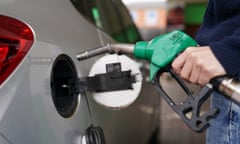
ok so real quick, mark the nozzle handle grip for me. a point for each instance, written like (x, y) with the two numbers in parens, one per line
(192, 104)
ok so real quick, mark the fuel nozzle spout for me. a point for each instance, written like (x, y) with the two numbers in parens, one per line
(119, 48)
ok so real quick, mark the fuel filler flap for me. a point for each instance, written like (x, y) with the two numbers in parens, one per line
(121, 81)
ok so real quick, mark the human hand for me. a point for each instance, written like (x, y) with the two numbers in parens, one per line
(198, 65)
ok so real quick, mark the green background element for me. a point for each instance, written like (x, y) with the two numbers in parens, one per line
(194, 13)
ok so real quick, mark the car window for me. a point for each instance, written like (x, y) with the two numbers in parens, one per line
(111, 16)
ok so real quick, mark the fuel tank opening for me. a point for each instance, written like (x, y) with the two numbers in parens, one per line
(63, 81)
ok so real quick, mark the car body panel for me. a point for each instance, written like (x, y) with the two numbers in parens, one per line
(28, 114)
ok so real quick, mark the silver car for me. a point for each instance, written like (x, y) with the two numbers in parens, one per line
(40, 99)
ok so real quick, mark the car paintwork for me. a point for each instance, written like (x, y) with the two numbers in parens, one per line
(27, 112)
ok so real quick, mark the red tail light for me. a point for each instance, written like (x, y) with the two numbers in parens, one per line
(16, 38)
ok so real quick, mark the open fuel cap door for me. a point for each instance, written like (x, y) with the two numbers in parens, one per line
(119, 80)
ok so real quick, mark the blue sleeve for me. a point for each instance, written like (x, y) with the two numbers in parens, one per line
(227, 52)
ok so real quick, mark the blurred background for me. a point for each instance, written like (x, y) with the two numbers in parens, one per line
(156, 17)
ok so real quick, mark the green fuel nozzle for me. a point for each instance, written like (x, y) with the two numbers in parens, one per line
(160, 51)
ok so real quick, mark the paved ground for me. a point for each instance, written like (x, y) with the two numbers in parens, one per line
(173, 130)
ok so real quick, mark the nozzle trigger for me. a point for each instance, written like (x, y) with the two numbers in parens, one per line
(192, 104)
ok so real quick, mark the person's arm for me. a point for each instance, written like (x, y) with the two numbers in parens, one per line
(227, 51)
(200, 64)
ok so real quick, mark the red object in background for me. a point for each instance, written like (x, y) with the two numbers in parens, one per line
(175, 16)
